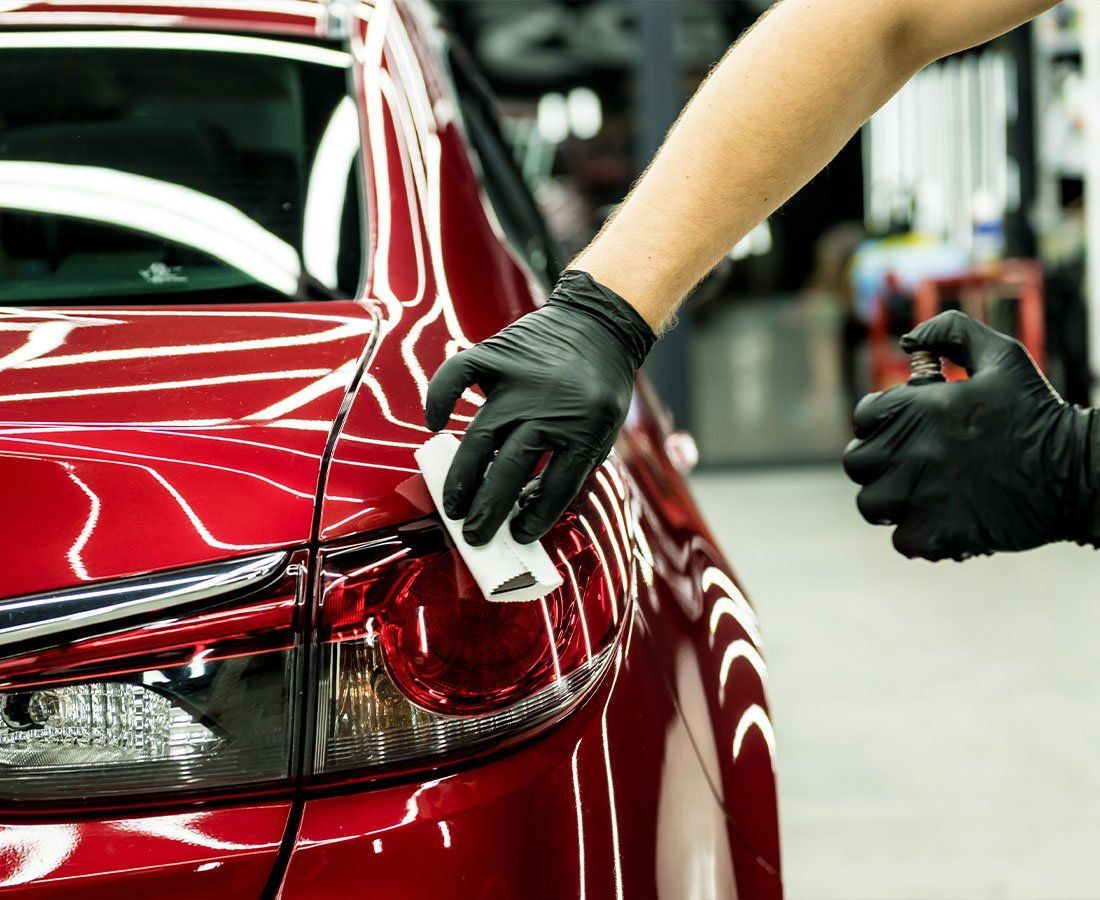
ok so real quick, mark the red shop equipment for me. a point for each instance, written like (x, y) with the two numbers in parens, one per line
(1007, 295)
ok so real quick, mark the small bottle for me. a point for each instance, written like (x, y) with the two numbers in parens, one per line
(926, 368)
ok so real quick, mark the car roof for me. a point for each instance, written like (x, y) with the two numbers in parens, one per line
(303, 18)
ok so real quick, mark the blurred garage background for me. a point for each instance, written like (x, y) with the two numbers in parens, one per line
(937, 725)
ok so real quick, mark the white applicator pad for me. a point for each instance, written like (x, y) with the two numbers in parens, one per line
(504, 569)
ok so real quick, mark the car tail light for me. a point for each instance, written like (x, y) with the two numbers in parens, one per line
(416, 663)
(179, 682)
(191, 681)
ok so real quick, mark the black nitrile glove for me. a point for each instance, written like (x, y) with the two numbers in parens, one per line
(560, 379)
(998, 462)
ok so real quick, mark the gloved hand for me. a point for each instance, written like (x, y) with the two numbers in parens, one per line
(560, 379)
(998, 462)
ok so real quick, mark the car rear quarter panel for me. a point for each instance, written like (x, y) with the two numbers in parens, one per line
(445, 280)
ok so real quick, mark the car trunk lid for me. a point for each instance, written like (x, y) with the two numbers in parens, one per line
(139, 439)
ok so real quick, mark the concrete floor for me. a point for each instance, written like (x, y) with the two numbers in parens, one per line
(938, 726)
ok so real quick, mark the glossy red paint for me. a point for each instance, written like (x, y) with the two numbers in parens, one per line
(667, 768)
(612, 803)
(213, 853)
(302, 18)
(123, 432)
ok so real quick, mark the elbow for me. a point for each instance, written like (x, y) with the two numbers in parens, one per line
(912, 39)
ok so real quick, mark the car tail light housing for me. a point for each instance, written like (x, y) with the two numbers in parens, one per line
(416, 663)
(176, 683)
(370, 657)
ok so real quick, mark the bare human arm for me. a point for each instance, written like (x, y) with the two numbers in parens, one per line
(775, 111)
(772, 114)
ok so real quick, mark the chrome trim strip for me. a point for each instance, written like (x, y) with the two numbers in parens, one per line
(55, 614)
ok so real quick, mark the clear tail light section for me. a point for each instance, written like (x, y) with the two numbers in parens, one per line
(415, 663)
(184, 682)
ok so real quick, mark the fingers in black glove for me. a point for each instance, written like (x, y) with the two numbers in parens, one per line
(995, 463)
(560, 381)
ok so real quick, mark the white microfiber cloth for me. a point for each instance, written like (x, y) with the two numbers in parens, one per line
(504, 569)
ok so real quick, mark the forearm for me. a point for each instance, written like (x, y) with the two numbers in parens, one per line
(775, 111)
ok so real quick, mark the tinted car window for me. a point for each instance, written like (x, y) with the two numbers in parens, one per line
(516, 209)
(161, 171)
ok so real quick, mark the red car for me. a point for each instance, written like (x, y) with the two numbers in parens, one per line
(238, 655)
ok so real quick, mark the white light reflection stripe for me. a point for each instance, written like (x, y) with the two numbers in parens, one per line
(615, 503)
(327, 193)
(740, 650)
(157, 40)
(75, 551)
(199, 527)
(609, 529)
(733, 604)
(603, 565)
(754, 716)
(337, 380)
(550, 636)
(43, 338)
(247, 473)
(303, 8)
(167, 385)
(339, 333)
(161, 208)
(613, 806)
(581, 871)
(580, 603)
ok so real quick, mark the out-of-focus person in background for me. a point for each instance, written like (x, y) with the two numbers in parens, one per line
(778, 107)
(828, 289)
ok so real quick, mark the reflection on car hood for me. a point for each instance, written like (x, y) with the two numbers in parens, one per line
(134, 440)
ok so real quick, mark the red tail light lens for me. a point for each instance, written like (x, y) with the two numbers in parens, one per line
(154, 695)
(419, 663)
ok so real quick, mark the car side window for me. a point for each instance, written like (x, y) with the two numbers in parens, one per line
(512, 201)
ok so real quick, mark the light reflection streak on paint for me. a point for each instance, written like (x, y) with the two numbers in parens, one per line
(610, 468)
(327, 193)
(412, 805)
(161, 208)
(337, 380)
(609, 530)
(550, 638)
(754, 717)
(42, 338)
(192, 313)
(379, 394)
(341, 332)
(302, 8)
(580, 604)
(446, 832)
(75, 551)
(581, 870)
(732, 603)
(432, 152)
(166, 385)
(359, 513)
(413, 176)
(199, 527)
(612, 805)
(740, 649)
(603, 565)
(185, 830)
(34, 852)
(368, 51)
(205, 42)
(616, 504)
(114, 454)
